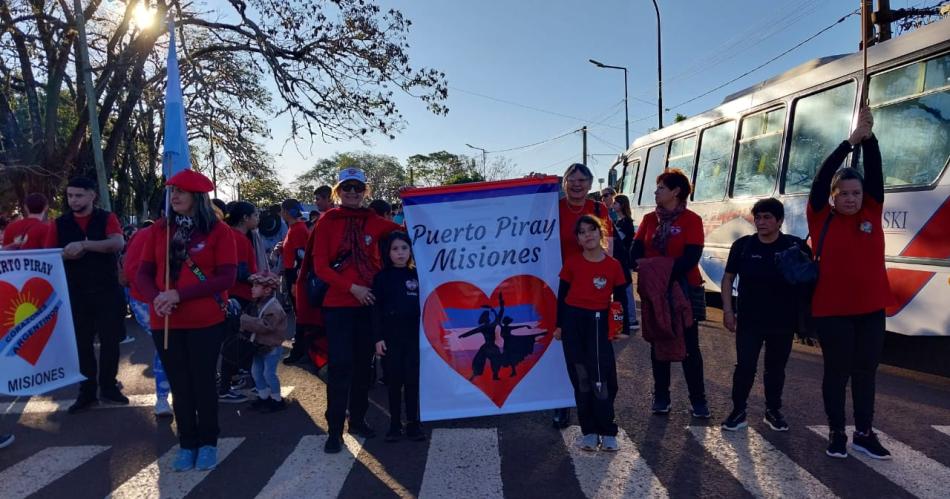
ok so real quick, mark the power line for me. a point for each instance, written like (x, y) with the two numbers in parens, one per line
(524, 106)
(526, 146)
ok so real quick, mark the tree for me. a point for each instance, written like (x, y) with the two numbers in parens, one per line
(499, 168)
(263, 192)
(384, 174)
(438, 167)
(465, 178)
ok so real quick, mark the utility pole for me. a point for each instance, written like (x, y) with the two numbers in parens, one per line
(659, 69)
(95, 138)
(883, 25)
(584, 139)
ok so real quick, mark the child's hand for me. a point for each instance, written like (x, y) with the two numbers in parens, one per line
(381, 348)
(557, 334)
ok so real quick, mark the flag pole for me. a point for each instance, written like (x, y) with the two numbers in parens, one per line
(168, 243)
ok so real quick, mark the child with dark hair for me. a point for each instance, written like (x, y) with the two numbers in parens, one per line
(267, 326)
(382, 208)
(396, 326)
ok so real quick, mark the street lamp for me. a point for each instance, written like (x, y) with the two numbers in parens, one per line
(659, 68)
(484, 155)
(626, 113)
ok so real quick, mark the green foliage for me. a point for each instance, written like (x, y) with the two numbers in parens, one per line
(263, 192)
(438, 168)
(466, 178)
(384, 174)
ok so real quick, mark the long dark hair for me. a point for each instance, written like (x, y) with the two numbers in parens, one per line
(387, 243)
(203, 221)
(624, 203)
(237, 211)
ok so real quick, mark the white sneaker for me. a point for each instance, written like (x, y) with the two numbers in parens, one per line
(162, 408)
(609, 443)
(589, 442)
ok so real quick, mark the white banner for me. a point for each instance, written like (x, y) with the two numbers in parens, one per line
(37, 339)
(488, 256)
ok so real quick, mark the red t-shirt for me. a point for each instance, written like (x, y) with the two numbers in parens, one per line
(245, 255)
(30, 233)
(133, 260)
(568, 217)
(296, 239)
(216, 249)
(686, 230)
(592, 283)
(112, 227)
(852, 279)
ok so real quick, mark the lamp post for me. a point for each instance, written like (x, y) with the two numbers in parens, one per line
(626, 113)
(659, 68)
(484, 155)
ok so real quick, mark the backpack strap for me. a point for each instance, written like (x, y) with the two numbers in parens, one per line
(821, 237)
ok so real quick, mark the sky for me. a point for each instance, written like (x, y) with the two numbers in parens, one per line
(518, 72)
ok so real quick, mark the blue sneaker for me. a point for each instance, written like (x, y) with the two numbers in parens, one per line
(207, 458)
(185, 460)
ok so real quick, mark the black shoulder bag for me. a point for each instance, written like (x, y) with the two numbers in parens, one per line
(796, 266)
(317, 288)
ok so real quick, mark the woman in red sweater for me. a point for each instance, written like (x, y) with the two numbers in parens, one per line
(852, 289)
(203, 266)
(349, 235)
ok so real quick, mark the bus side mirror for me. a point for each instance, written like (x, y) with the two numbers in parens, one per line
(612, 177)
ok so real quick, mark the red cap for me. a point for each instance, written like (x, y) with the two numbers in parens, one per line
(191, 181)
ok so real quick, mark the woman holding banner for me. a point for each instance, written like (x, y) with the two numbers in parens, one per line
(346, 256)
(201, 265)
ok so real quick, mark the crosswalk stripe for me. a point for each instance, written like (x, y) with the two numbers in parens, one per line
(761, 468)
(912, 470)
(463, 462)
(942, 429)
(612, 474)
(43, 468)
(41, 405)
(309, 472)
(157, 480)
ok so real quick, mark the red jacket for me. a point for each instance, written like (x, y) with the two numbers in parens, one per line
(305, 315)
(665, 310)
(328, 244)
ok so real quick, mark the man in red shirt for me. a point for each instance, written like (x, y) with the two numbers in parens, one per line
(91, 238)
(29, 232)
(292, 250)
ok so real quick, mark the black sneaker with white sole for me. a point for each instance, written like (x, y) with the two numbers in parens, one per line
(775, 420)
(735, 421)
(661, 405)
(869, 444)
(837, 444)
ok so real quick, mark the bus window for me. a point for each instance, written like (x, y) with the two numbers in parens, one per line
(760, 143)
(681, 154)
(911, 107)
(819, 123)
(715, 158)
(629, 185)
(656, 162)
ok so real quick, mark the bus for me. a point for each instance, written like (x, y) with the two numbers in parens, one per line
(768, 141)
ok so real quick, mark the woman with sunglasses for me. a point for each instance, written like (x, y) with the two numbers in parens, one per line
(346, 256)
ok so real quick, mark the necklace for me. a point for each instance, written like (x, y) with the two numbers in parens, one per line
(571, 208)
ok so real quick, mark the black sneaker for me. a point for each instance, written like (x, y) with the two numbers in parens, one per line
(414, 432)
(661, 405)
(333, 444)
(735, 421)
(394, 434)
(869, 444)
(6, 440)
(82, 403)
(258, 404)
(837, 444)
(113, 396)
(701, 411)
(775, 420)
(361, 429)
(274, 405)
(294, 357)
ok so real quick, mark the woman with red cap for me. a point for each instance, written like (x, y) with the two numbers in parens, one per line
(202, 265)
(346, 256)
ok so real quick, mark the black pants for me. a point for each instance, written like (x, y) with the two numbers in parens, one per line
(401, 365)
(350, 367)
(778, 346)
(236, 354)
(98, 313)
(190, 364)
(851, 346)
(583, 339)
(692, 370)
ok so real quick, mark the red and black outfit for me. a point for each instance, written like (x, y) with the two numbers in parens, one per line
(196, 326)
(292, 253)
(355, 234)
(95, 297)
(852, 290)
(311, 333)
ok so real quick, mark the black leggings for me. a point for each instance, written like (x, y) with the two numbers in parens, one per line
(692, 370)
(401, 363)
(350, 367)
(583, 337)
(778, 346)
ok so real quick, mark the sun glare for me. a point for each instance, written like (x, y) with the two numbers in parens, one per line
(143, 16)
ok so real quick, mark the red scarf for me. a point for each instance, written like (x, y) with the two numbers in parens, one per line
(665, 219)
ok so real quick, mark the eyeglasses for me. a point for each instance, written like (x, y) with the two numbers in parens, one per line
(354, 187)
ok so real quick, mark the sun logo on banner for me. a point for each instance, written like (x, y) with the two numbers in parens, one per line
(27, 318)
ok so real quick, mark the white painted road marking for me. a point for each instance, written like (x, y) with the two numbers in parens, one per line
(43, 468)
(915, 472)
(39, 405)
(761, 468)
(612, 474)
(942, 429)
(463, 462)
(310, 472)
(157, 480)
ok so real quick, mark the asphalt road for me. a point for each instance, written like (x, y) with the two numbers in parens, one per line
(119, 451)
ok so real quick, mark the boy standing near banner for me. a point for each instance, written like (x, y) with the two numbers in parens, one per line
(91, 238)
(30, 231)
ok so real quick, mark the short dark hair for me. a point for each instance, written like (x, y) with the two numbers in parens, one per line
(381, 207)
(35, 203)
(578, 167)
(82, 183)
(324, 191)
(673, 178)
(769, 205)
(237, 210)
(221, 205)
(846, 173)
(590, 220)
(293, 207)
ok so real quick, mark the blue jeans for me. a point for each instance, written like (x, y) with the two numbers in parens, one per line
(264, 371)
(631, 307)
(140, 311)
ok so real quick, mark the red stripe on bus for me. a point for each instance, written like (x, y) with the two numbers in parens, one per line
(905, 284)
(932, 240)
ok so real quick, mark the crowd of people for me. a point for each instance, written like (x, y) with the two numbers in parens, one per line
(204, 282)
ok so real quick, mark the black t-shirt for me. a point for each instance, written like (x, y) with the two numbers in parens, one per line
(397, 301)
(767, 303)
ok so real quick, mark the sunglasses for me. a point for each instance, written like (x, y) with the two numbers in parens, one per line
(354, 187)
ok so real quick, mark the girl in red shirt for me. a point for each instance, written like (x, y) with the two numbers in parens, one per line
(587, 281)
(675, 231)
(852, 289)
(203, 266)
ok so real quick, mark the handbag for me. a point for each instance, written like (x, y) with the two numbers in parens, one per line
(615, 324)
(796, 266)
(316, 287)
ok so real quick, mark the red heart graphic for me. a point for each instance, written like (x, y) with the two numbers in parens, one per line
(18, 305)
(458, 324)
